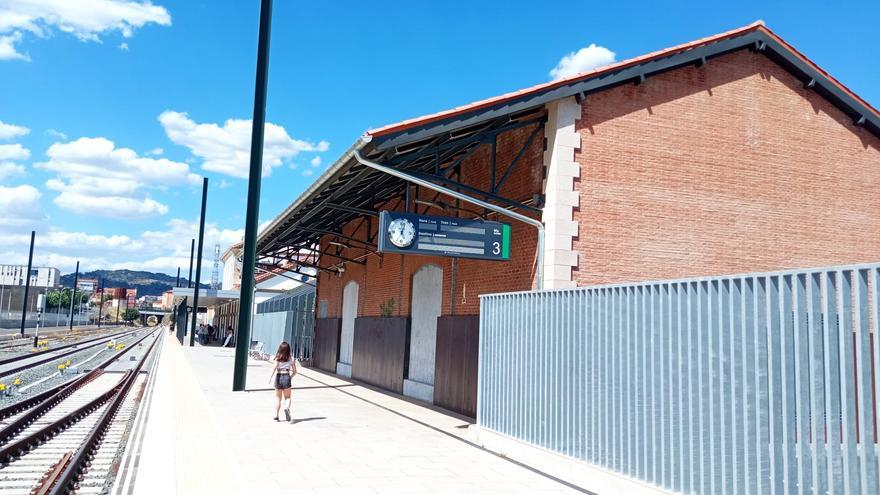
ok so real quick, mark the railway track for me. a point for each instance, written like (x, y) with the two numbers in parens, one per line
(66, 439)
(56, 352)
(65, 336)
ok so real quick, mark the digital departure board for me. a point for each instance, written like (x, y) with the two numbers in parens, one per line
(407, 233)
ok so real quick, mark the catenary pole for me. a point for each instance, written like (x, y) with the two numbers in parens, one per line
(73, 294)
(100, 301)
(192, 252)
(27, 283)
(192, 328)
(246, 298)
(177, 283)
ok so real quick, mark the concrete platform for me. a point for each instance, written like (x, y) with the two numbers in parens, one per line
(345, 438)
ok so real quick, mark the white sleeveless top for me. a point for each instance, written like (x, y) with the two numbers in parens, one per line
(285, 365)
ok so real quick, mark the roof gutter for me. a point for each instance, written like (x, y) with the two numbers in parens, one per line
(455, 194)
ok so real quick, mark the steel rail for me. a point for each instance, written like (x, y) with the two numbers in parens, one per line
(51, 476)
(65, 346)
(77, 382)
(44, 402)
(67, 481)
(62, 355)
(22, 446)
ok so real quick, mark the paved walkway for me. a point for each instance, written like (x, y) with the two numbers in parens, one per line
(345, 438)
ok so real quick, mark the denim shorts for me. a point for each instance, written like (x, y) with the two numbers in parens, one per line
(282, 381)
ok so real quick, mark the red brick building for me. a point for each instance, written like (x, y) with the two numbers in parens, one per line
(726, 155)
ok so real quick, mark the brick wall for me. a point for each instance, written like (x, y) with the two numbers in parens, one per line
(729, 168)
(734, 167)
(390, 275)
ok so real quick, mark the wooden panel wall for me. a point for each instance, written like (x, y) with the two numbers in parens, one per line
(455, 369)
(380, 351)
(326, 351)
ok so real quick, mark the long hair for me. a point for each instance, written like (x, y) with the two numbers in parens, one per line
(283, 353)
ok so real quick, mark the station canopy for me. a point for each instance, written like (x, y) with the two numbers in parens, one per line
(434, 146)
(207, 297)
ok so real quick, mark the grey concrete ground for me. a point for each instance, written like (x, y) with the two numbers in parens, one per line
(345, 438)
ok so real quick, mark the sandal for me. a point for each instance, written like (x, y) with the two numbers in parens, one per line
(275, 418)
(287, 414)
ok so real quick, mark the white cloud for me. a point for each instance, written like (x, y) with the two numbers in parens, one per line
(316, 161)
(9, 153)
(123, 47)
(10, 131)
(95, 177)
(156, 250)
(585, 59)
(56, 134)
(20, 206)
(86, 20)
(14, 152)
(9, 169)
(7, 47)
(156, 152)
(110, 206)
(226, 149)
(307, 173)
(224, 184)
(165, 250)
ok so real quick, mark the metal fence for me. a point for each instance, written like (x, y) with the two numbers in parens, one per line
(761, 383)
(12, 319)
(297, 327)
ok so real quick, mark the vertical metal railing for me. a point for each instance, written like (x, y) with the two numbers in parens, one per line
(758, 384)
(300, 334)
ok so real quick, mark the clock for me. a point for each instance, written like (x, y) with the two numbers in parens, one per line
(401, 232)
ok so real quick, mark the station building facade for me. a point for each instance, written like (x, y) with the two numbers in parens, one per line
(730, 154)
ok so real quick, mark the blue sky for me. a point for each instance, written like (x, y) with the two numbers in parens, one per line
(104, 180)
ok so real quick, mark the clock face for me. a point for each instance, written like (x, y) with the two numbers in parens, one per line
(401, 232)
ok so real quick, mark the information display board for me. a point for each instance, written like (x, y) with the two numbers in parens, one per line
(407, 233)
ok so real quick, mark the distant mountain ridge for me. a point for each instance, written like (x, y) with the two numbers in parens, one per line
(146, 283)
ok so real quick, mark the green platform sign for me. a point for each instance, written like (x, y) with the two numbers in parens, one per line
(407, 233)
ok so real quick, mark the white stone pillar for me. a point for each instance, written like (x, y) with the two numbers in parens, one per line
(561, 196)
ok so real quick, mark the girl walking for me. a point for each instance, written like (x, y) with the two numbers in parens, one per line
(283, 372)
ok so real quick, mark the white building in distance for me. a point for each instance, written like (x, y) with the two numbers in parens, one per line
(41, 276)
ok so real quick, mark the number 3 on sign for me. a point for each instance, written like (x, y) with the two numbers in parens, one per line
(496, 247)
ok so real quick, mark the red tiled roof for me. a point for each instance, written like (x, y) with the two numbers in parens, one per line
(755, 26)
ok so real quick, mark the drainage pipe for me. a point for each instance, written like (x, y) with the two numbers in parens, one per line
(455, 194)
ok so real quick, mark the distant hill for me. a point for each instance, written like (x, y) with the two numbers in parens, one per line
(146, 283)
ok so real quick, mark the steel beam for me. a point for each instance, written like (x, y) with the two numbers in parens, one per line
(473, 190)
(352, 209)
(455, 194)
(522, 151)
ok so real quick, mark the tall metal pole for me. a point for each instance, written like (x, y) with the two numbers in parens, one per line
(27, 283)
(177, 283)
(100, 301)
(73, 295)
(192, 251)
(246, 298)
(192, 328)
(124, 322)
